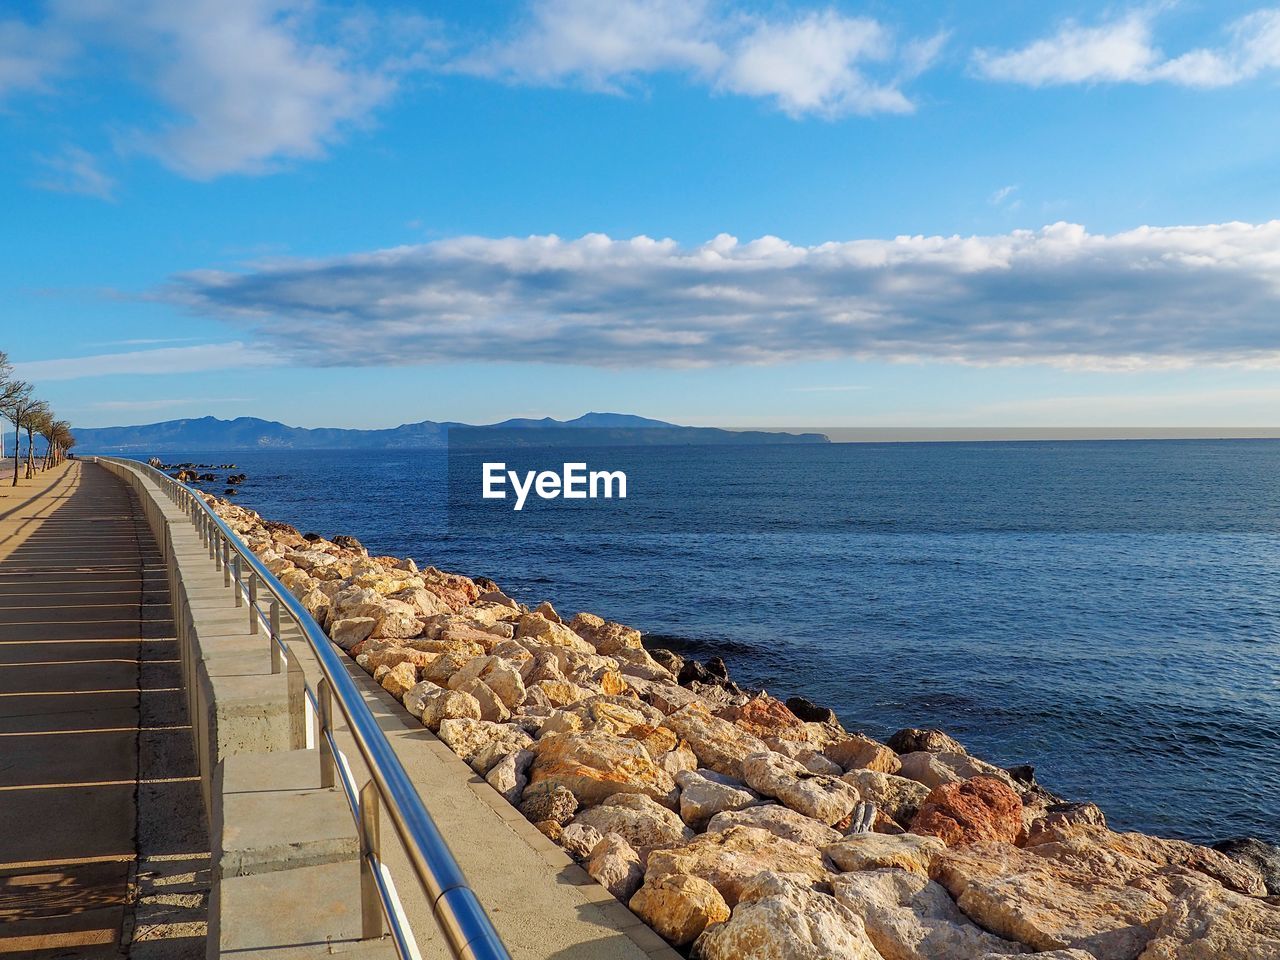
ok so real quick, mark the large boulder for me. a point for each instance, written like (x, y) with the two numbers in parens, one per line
(439, 705)
(933, 769)
(897, 796)
(510, 775)
(637, 819)
(764, 716)
(824, 798)
(729, 859)
(595, 766)
(857, 752)
(777, 918)
(718, 744)
(679, 907)
(1210, 923)
(615, 865)
(780, 821)
(704, 793)
(606, 636)
(548, 802)
(348, 631)
(871, 851)
(1084, 842)
(909, 917)
(534, 626)
(979, 809)
(1052, 904)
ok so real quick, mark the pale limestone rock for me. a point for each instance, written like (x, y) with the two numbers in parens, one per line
(638, 820)
(444, 666)
(909, 917)
(1049, 904)
(780, 919)
(504, 680)
(870, 851)
(595, 766)
(680, 757)
(316, 602)
(606, 636)
(1210, 923)
(559, 693)
(542, 802)
(679, 907)
(658, 741)
(718, 744)
(615, 865)
(857, 752)
(821, 797)
(510, 775)
(537, 627)
(899, 797)
(579, 839)
(815, 762)
(491, 708)
(704, 793)
(440, 705)
(415, 699)
(507, 739)
(349, 631)
(424, 602)
(466, 737)
(780, 821)
(730, 858)
(400, 679)
(934, 769)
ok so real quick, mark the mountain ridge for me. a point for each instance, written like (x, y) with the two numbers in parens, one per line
(253, 433)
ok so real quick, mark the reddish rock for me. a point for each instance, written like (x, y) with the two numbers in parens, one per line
(762, 716)
(979, 809)
(862, 753)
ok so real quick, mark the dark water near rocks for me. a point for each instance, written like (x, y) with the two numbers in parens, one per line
(1109, 612)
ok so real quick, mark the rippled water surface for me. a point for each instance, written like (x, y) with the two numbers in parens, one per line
(1105, 611)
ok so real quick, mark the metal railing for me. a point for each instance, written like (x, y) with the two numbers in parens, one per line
(462, 920)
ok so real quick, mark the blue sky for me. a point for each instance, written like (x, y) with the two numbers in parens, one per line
(846, 214)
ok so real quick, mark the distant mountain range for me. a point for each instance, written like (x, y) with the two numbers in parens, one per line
(251, 433)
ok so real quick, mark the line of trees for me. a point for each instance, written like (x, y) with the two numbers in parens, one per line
(30, 415)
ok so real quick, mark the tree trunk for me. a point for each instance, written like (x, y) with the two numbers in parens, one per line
(31, 451)
(17, 439)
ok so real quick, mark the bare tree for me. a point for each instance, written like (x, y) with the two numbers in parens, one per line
(17, 406)
(39, 414)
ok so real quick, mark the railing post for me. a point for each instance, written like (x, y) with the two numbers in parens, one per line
(324, 724)
(277, 662)
(235, 573)
(226, 564)
(253, 603)
(370, 902)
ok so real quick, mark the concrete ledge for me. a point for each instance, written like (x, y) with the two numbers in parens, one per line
(302, 913)
(261, 826)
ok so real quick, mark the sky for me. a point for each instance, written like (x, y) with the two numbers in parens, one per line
(936, 214)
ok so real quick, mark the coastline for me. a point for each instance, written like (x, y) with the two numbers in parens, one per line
(698, 804)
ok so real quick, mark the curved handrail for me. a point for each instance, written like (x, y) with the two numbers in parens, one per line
(465, 925)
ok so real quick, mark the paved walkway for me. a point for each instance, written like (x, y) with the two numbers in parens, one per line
(103, 849)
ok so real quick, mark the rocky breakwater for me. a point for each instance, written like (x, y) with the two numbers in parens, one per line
(739, 826)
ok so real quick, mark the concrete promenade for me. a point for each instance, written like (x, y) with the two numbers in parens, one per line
(104, 837)
(104, 848)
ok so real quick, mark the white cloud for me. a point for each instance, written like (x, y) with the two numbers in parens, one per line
(163, 403)
(810, 63)
(244, 85)
(75, 170)
(206, 356)
(1151, 297)
(30, 57)
(1123, 50)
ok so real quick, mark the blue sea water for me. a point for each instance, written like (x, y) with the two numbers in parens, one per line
(1109, 611)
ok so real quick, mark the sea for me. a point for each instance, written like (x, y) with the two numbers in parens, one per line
(1107, 611)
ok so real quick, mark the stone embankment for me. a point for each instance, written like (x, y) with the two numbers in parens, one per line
(739, 826)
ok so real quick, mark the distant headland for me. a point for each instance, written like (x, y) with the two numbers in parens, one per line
(252, 433)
